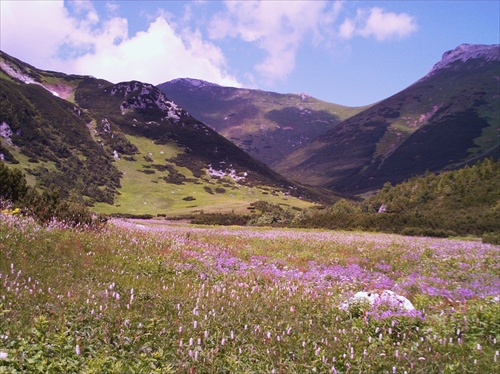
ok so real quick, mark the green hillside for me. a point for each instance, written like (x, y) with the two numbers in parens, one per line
(460, 202)
(267, 125)
(447, 119)
(125, 148)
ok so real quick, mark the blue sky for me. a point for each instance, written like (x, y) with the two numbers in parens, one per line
(346, 52)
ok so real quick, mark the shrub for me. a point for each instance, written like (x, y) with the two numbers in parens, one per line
(491, 238)
(129, 215)
(460, 202)
(46, 206)
(12, 183)
(221, 219)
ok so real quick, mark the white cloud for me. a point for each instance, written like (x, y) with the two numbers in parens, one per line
(33, 31)
(73, 37)
(87, 44)
(379, 24)
(347, 29)
(156, 55)
(112, 6)
(277, 27)
(280, 27)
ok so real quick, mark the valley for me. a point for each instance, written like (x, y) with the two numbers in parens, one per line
(133, 148)
(311, 237)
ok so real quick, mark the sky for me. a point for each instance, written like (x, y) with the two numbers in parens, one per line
(345, 52)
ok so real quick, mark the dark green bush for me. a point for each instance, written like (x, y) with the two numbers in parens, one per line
(129, 215)
(460, 202)
(491, 238)
(13, 184)
(222, 219)
(47, 206)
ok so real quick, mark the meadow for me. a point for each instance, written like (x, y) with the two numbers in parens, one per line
(152, 297)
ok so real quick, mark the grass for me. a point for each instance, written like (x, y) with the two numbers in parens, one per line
(255, 120)
(142, 193)
(24, 163)
(183, 299)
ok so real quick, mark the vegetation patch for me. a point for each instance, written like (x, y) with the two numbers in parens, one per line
(461, 202)
(170, 299)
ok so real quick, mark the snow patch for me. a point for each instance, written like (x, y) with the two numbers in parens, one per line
(16, 73)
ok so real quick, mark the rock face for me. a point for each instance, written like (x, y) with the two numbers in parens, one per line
(465, 52)
(138, 95)
(387, 297)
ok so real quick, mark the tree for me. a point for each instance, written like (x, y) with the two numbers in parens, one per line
(13, 184)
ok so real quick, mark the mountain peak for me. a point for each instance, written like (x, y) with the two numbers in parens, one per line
(198, 83)
(465, 52)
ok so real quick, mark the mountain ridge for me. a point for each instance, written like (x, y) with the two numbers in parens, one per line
(111, 145)
(267, 125)
(465, 52)
(446, 119)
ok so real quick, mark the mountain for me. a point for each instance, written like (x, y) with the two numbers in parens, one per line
(445, 120)
(125, 148)
(267, 125)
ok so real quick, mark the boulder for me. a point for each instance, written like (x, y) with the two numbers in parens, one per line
(386, 297)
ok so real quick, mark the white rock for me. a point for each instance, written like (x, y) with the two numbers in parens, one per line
(359, 297)
(387, 297)
(396, 299)
(6, 132)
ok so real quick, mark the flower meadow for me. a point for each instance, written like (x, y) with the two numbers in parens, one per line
(174, 298)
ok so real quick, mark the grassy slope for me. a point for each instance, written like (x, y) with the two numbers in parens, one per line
(439, 123)
(180, 299)
(463, 90)
(267, 125)
(142, 193)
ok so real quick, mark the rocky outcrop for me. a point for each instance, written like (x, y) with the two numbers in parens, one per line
(466, 52)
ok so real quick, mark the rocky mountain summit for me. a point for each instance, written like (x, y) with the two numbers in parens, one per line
(455, 59)
(445, 120)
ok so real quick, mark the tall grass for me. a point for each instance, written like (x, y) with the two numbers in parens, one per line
(134, 298)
